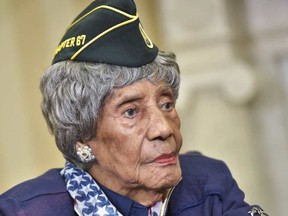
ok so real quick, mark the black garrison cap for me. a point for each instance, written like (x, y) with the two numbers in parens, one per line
(107, 31)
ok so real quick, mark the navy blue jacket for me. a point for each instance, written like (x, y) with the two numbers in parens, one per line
(206, 189)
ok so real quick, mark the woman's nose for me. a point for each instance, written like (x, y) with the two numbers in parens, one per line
(159, 126)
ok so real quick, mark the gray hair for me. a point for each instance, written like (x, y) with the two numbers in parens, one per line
(74, 93)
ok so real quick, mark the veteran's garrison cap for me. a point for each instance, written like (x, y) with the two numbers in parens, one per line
(107, 31)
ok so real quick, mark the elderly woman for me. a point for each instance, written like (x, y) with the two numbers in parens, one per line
(109, 99)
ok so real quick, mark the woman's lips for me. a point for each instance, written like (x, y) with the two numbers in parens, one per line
(166, 159)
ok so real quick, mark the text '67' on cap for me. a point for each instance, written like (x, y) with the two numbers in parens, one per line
(107, 31)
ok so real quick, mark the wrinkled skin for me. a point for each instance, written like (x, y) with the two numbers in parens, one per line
(137, 142)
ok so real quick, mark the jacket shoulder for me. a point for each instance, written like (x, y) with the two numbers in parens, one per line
(196, 164)
(203, 175)
(44, 195)
(207, 187)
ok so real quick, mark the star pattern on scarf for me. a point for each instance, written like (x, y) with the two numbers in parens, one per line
(90, 199)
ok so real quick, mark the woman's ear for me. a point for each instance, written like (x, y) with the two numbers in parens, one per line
(80, 144)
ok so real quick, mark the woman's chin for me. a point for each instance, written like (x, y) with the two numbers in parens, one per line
(166, 181)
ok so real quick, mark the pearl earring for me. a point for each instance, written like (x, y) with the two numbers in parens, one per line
(85, 154)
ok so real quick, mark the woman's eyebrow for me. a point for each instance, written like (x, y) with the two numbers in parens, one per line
(128, 98)
(165, 90)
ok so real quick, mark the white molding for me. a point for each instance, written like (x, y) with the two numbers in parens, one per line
(235, 82)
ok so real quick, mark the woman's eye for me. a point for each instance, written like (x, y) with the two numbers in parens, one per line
(168, 105)
(130, 112)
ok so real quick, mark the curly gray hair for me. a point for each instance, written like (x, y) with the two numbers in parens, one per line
(74, 92)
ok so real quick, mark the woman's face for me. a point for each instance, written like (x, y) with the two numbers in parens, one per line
(138, 138)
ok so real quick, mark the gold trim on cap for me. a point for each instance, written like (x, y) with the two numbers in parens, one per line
(132, 18)
(145, 37)
(102, 7)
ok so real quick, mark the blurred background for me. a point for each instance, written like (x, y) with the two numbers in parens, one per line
(233, 56)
